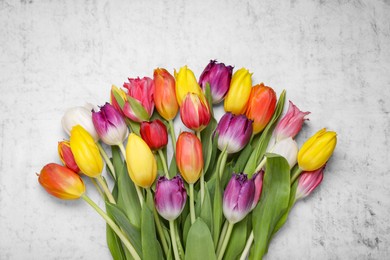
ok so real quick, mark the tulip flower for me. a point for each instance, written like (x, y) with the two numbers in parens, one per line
(118, 98)
(317, 150)
(154, 133)
(238, 95)
(189, 157)
(218, 76)
(258, 181)
(234, 132)
(141, 164)
(79, 116)
(307, 182)
(61, 182)
(195, 112)
(165, 94)
(288, 148)
(170, 197)
(185, 83)
(85, 152)
(110, 125)
(66, 156)
(290, 124)
(261, 106)
(141, 92)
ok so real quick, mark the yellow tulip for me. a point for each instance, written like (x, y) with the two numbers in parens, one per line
(317, 150)
(85, 152)
(141, 164)
(240, 89)
(186, 83)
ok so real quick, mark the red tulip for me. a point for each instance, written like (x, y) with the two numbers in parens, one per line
(195, 112)
(66, 156)
(154, 133)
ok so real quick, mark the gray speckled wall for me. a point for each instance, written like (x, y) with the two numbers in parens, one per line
(332, 57)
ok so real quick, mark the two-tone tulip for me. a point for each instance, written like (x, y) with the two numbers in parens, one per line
(234, 132)
(110, 125)
(154, 133)
(218, 76)
(189, 157)
(165, 94)
(195, 112)
(141, 164)
(79, 116)
(261, 106)
(61, 182)
(66, 156)
(316, 151)
(170, 197)
(118, 98)
(86, 152)
(185, 83)
(308, 181)
(139, 105)
(287, 148)
(258, 181)
(238, 95)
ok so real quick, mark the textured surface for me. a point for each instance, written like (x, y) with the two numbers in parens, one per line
(332, 57)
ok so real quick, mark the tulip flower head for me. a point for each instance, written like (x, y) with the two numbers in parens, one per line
(170, 197)
(66, 156)
(141, 92)
(288, 148)
(165, 94)
(189, 157)
(110, 125)
(195, 112)
(185, 83)
(238, 198)
(234, 132)
(218, 76)
(258, 181)
(61, 182)
(79, 116)
(154, 133)
(141, 164)
(85, 152)
(238, 95)
(308, 181)
(317, 150)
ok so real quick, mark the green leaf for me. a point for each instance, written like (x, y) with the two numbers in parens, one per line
(209, 99)
(207, 143)
(217, 207)
(273, 203)
(237, 240)
(243, 158)
(114, 244)
(206, 212)
(139, 111)
(118, 99)
(172, 167)
(150, 246)
(186, 229)
(199, 242)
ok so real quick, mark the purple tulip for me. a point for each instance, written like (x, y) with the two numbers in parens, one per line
(258, 180)
(307, 182)
(110, 125)
(170, 197)
(218, 76)
(234, 132)
(238, 198)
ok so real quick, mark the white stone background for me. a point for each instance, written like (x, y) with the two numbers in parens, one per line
(332, 57)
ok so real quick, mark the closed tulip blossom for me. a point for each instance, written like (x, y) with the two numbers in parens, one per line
(218, 76)
(165, 94)
(234, 132)
(110, 125)
(258, 180)
(195, 112)
(79, 116)
(66, 156)
(61, 182)
(186, 83)
(118, 98)
(238, 95)
(154, 133)
(170, 197)
(141, 91)
(288, 148)
(308, 181)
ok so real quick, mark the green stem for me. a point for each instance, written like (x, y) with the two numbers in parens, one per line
(192, 203)
(222, 236)
(105, 189)
(225, 241)
(123, 150)
(224, 155)
(247, 247)
(295, 175)
(164, 163)
(178, 242)
(160, 231)
(114, 227)
(173, 135)
(173, 238)
(201, 176)
(139, 193)
(261, 164)
(97, 186)
(106, 159)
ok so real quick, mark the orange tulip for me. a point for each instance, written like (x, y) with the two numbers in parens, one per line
(165, 94)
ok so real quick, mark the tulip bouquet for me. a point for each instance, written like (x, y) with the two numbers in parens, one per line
(229, 185)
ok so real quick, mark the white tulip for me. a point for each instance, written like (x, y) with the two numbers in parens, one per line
(287, 148)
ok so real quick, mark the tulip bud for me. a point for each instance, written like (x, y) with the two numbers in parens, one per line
(238, 198)
(287, 148)
(189, 157)
(308, 181)
(185, 83)
(85, 152)
(218, 76)
(141, 91)
(79, 116)
(141, 164)
(258, 181)
(317, 150)
(234, 132)
(290, 124)
(165, 94)
(195, 112)
(118, 98)
(61, 182)
(261, 106)
(110, 125)
(154, 134)
(238, 95)
(66, 156)
(170, 197)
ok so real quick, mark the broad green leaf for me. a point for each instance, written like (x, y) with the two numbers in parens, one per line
(134, 126)
(243, 158)
(186, 229)
(139, 111)
(150, 246)
(206, 212)
(172, 168)
(237, 240)
(199, 242)
(217, 207)
(273, 203)
(114, 244)
(207, 143)
(213, 155)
